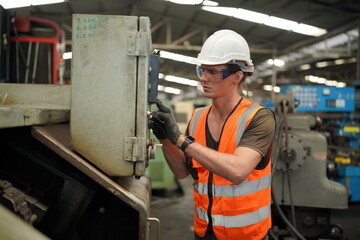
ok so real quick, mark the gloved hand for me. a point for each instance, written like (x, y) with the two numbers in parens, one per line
(165, 122)
(155, 126)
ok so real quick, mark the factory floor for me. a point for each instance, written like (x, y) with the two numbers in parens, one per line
(174, 209)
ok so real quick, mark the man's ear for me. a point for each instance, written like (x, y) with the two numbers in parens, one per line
(238, 77)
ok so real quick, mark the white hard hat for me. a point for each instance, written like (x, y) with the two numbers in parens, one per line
(223, 47)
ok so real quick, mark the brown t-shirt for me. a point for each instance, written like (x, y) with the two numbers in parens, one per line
(260, 132)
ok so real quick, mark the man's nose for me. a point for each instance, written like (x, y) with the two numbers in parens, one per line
(203, 77)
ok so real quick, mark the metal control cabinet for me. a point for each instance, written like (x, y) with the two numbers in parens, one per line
(110, 69)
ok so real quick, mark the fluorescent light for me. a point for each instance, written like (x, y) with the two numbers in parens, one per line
(169, 89)
(247, 93)
(341, 84)
(177, 57)
(186, 2)
(309, 30)
(268, 20)
(322, 64)
(351, 60)
(210, 3)
(181, 80)
(238, 13)
(271, 88)
(276, 62)
(195, 2)
(267, 87)
(67, 55)
(280, 23)
(339, 61)
(331, 83)
(321, 80)
(26, 3)
(305, 67)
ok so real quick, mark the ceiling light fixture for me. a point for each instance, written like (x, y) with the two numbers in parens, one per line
(305, 67)
(67, 55)
(276, 62)
(195, 2)
(181, 80)
(265, 19)
(321, 80)
(271, 88)
(322, 64)
(169, 89)
(26, 3)
(177, 57)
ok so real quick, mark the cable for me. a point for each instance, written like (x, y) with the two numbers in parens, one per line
(290, 196)
(272, 234)
(284, 218)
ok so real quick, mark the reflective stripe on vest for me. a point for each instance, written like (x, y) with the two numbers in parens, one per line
(195, 120)
(238, 220)
(242, 121)
(246, 187)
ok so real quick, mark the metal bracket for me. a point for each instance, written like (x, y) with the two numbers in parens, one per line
(15, 200)
(130, 149)
(135, 149)
(142, 149)
(138, 44)
(157, 221)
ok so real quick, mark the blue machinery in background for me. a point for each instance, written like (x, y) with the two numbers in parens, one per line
(322, 98)
(337, 107)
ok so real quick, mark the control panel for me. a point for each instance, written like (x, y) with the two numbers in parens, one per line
(322, 98)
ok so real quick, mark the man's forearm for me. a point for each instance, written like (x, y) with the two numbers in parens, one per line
(175, 159)
(234, 167)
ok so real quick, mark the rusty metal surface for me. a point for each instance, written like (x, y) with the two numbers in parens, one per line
(17, 117)
(135, 192)
(38, 96)
(29, 104)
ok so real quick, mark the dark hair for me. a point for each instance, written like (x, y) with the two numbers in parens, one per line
(233, 68)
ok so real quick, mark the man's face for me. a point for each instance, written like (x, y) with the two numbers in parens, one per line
(216, 80)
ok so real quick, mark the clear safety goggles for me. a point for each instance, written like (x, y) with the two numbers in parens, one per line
(213, 73)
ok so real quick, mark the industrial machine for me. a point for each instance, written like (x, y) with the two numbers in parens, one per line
(303, 195)
(74, 157)
(337, 119)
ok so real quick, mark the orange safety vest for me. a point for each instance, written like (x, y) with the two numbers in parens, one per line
(237, 211)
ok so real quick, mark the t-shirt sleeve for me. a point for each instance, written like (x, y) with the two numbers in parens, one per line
(260, 132)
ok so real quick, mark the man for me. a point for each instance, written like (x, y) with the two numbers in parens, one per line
(226, 147)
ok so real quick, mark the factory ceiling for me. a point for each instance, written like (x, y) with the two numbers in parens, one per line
(183, 28)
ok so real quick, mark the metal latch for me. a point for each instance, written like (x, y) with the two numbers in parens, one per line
(135, 149)
(138, 44)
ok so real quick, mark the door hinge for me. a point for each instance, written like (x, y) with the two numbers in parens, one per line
(138, 44)
(135, 149)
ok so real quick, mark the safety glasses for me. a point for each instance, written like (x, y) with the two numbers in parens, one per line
(213, 73)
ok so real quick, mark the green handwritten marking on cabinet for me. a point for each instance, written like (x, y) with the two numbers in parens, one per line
(87, 27)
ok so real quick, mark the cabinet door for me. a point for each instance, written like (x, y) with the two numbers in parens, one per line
(109, 90)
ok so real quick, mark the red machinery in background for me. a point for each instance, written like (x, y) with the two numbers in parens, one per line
(37, 45)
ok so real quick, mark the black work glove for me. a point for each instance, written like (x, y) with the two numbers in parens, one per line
(166, 123)
(155, 125)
